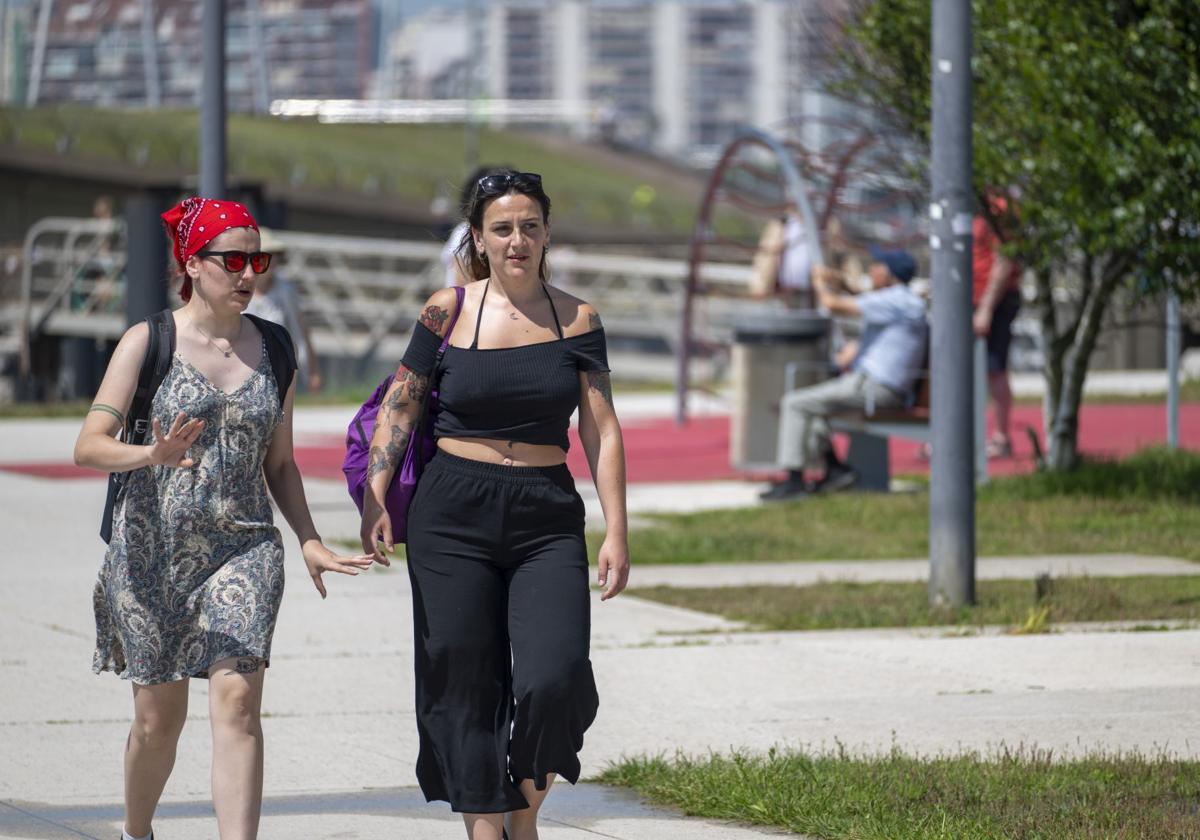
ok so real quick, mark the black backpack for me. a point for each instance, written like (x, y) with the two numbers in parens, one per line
(156, 364)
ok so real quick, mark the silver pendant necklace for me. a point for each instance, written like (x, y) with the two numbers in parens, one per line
(209, 339)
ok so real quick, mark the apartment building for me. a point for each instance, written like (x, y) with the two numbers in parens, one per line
(130, 53)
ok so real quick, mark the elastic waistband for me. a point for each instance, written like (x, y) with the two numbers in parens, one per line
(558, 474)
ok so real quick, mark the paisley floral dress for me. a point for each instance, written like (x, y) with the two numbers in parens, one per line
(194, 570)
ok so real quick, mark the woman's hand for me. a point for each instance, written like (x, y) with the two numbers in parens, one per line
(320, 559)
(376, 528)
(170, 450)
(614, 567)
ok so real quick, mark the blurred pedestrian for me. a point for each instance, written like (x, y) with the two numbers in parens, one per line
(457, 273)
(996, 297)
(192, 580)
(275, 299)
(496, 550)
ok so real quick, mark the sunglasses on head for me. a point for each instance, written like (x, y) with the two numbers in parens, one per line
(235, 261)
(501, 183)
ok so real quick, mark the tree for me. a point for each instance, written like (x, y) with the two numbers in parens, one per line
(1089, 112)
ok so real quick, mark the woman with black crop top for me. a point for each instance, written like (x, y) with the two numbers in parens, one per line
(496, 553)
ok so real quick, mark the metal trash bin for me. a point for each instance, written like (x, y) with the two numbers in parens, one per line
(765, 343)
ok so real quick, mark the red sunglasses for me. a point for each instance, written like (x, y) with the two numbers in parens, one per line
(235, 261)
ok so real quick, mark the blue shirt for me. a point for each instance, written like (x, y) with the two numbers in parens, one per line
(892, 347)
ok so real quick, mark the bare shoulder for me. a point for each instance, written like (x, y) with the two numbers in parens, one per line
(577, 315)
(438, 309)
(134, 342)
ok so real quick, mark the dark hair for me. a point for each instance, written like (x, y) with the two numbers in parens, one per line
(484, 193)
(468, 186)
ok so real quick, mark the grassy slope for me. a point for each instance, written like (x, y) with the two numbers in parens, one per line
(408, 162)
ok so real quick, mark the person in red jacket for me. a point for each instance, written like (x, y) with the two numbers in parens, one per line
(996, 300)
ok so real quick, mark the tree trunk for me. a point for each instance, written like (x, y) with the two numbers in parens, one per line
(1073, 356)
(1052, 360)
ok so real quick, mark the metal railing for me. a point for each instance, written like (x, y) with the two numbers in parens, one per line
(358, 294)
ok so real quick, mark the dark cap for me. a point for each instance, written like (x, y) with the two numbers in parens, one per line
(900, 264)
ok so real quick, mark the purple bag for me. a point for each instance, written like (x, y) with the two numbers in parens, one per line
(420, 450)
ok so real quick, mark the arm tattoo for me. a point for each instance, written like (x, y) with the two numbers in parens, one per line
(594, 321)
(408, 386)
(435, 318)
(599, 382)
(416, 385)
(385, 458)
(107, 409)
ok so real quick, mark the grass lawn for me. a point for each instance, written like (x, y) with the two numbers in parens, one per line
(1011, 603)
(1146, 504)
(1018, 795)
(409, 162)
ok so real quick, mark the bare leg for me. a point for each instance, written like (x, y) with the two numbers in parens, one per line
(1002, 400)
(234, 704)
(159, 712)
(522, 825)
(484, 826)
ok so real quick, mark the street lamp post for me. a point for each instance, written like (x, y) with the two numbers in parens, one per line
(212, 101)
(952, 478)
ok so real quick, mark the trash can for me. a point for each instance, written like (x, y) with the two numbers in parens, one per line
(771, 346)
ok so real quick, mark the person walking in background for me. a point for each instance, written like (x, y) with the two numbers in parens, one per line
(888, 357)
(996, 297)
(275, 299)
(193, 576)
(457, 272)
(496, 551)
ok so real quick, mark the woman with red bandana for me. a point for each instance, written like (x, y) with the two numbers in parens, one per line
(193, 576)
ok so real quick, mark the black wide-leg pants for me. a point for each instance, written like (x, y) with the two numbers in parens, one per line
(501, 614)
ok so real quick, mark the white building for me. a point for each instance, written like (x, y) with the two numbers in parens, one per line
(676, 76)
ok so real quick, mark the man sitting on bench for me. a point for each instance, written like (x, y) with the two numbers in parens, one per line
(890, 354)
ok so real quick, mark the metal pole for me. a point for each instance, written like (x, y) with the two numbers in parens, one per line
(1173, 350)
(146, 263)
(952, 480)
(471, 140)
(6, 54)
(212, 101)
(258, 57)
(39, 54)
(150, 56)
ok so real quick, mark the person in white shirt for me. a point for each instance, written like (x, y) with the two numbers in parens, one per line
(275, 299)
(458, 271)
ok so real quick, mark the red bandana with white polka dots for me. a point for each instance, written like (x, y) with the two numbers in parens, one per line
(195, 222)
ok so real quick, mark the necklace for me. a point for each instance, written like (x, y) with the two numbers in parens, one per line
(209, 338)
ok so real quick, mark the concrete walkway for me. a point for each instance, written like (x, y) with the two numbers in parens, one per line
(339, 711)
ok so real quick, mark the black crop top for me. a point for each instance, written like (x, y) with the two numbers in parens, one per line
(525, 393)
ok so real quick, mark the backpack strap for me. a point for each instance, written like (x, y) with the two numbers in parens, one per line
(460, 292)
(155, 365)
(280, 350)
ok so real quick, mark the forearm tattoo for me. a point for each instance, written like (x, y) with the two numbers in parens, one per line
(107, 409)
(594, 321)
(385, 458)
(435, 318)
(408, 387)
(600, 382)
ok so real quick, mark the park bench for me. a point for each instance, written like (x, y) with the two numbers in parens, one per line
(869, 433)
